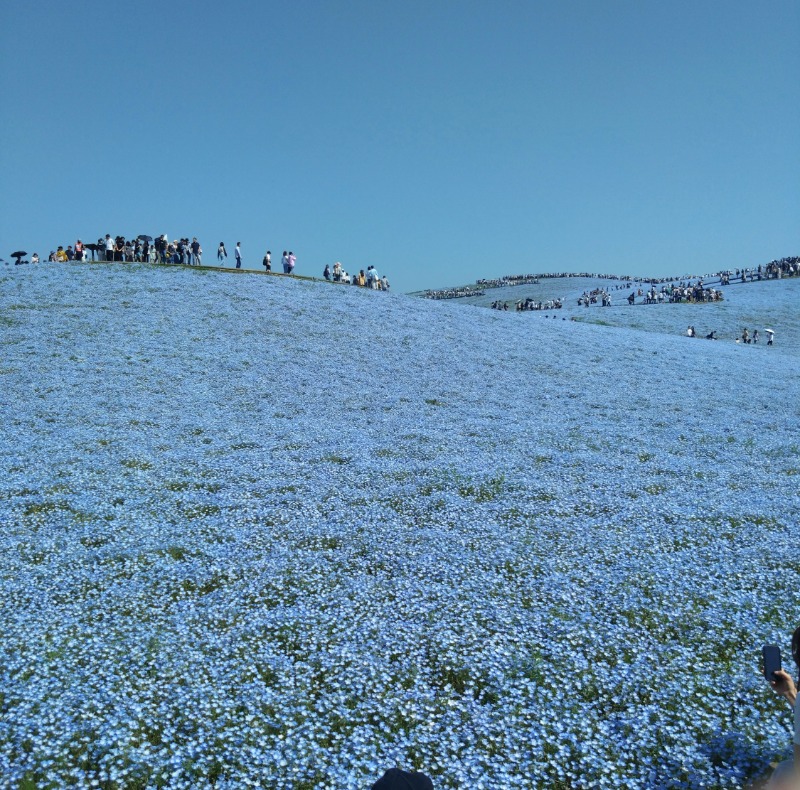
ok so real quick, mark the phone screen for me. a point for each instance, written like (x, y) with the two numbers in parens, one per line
(772, 661)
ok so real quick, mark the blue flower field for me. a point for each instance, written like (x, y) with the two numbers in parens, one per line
(260, 532)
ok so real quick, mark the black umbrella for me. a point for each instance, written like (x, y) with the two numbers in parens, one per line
(144, 238)
(92, 246)
(18, 254)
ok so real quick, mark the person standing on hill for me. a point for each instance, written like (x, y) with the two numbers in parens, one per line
(195, 248)
(292, 260)
(222, 253)
(267, 262)
(238, 252)
(285, 262)
(109, 242)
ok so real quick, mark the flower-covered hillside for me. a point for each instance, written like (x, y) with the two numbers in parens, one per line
(261, 532)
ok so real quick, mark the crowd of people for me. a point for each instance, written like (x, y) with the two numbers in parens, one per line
(365, 279)
(529, 304)
(774, 270)
(119, 249)
(682, 292)
(146, 249)
(455, 293)
(591, 297)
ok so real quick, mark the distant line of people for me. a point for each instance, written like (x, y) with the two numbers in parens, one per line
(455, 293)
(527, 304)
(784, 267)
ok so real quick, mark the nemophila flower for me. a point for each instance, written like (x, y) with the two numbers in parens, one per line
(244, 550)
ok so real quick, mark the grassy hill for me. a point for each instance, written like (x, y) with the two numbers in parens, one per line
(263, 532)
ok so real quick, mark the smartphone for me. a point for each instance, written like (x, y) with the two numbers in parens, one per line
(772, 661)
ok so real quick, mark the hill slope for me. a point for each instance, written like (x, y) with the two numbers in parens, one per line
(261, 530)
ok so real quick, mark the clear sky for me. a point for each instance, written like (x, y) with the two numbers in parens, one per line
(441, 141)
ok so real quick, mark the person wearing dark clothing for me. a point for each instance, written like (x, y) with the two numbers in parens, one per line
(396, 779)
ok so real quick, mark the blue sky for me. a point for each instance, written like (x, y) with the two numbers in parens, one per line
(438, 141)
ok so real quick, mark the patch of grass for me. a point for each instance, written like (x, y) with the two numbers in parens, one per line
(483, 492)
(94, 541)
(136, 463)
(246, 446)
(193, 512)
(655, 488)
(336, 459)
(44, 508)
